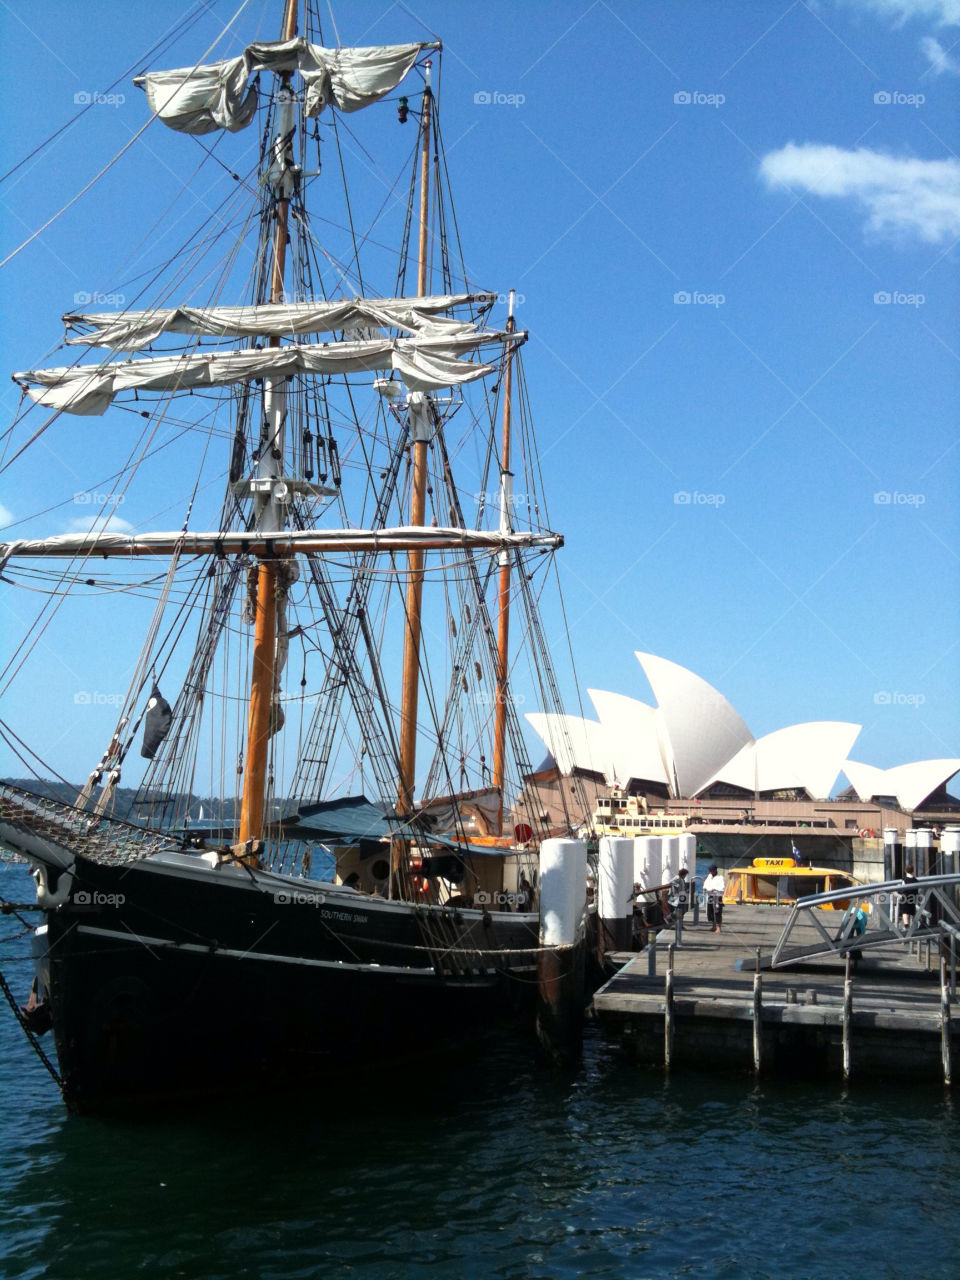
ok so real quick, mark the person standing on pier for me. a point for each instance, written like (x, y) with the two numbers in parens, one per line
(713, 888)
(908, 898)
(677, 896)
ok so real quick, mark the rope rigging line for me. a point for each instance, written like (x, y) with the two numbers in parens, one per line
(165, 42)
(34, 1043)
(134, 463)
(123, 150)
(184, 269)
(27, 643)
(347, 630)
(7, 733)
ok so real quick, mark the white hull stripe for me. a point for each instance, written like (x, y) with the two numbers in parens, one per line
(128, 936)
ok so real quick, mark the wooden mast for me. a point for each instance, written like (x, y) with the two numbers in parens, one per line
(410, 689)
(265, 624)
(503, 619)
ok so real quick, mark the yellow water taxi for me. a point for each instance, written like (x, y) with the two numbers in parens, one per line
(782, 881)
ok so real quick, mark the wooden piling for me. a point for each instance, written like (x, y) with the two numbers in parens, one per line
(847, 1018)
(560, 1000)
(945, 1021)
(900, 1022)
(668, 1009)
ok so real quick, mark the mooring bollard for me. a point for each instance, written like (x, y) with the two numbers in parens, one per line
(614, 885)
(909, 853)
(560, 963)
(652, 958)
(670, 851)
(668, 1011)
(892, 854)
(647, 861)
(688, 858)
(923, 841)
(847, 1018)
(945, 1022)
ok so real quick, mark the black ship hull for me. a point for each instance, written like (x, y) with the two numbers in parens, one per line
(168, 978)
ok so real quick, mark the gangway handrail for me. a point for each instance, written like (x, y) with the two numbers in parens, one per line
(886, 929)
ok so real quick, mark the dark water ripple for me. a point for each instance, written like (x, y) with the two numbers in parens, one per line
(487, 1167)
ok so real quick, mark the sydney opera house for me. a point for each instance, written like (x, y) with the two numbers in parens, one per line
(693, 749)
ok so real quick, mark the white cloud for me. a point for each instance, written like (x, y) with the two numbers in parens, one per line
(900, 195)
(938, 57)
(6, 516)
(91, 524)
(946, 13)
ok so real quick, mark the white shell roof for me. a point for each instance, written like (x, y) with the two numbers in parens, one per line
(694, 737)
(910, 783)
(631, 730)
(575, 743)
(808, 755)
(701, 729)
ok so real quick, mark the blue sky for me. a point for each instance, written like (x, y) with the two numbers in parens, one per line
(786, 167)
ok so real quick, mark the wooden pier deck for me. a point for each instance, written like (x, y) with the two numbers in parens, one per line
(894, 1022)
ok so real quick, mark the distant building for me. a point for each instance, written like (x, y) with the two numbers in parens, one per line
(694, 747)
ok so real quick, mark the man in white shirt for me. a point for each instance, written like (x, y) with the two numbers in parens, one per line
(713, 888)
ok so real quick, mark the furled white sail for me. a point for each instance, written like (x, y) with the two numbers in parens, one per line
(220, 96)
(133, 330)
(424, 364)
(305, 541)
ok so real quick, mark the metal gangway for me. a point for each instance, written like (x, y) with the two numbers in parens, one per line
(872, 917)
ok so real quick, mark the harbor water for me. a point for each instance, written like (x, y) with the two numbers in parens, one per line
(486, 1165)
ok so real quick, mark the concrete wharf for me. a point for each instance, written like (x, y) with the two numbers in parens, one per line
(704, 1002)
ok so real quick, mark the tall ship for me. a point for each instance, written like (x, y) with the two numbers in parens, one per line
(323, 634)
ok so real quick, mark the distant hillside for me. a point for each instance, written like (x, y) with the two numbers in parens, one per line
(124, 806)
